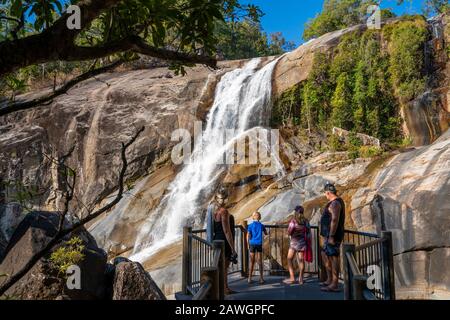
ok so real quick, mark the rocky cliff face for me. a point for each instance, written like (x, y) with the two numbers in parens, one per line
(410, 197)
(100, 113)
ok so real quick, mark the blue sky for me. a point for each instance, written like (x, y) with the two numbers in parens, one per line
(290, 16)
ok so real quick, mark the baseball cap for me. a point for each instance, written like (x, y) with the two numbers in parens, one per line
(330, 187)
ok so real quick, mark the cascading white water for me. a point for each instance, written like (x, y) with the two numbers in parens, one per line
(241, 103)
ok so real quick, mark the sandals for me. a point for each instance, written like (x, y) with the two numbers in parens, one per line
(328, 289)
(261, 281)
(324, 284)
(288, 281)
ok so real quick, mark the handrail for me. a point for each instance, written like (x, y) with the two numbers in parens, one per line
(216, 257)
(352, 264)
(360, 233)
(374, 260)
(211, 287)
(203, 291)
(204, 262)
(368, 244)
(201, 240)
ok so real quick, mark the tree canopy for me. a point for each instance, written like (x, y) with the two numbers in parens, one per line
(340, 14)
(178, 30)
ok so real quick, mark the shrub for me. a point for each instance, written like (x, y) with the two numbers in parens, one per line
(369, 151)
(353, 145)
(70, 253)
(334, 143)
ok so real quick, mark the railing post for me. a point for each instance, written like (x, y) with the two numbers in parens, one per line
(186, 275)
(359, 283)
(388, 266)
(245, 261)
(348, 277)
(211, 274)
(222, 270)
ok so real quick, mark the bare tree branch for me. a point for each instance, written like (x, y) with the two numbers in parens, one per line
(58, 43)
(47, 99)
(64, 232)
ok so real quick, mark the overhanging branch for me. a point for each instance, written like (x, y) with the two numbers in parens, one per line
(18, 106)
(58, 43)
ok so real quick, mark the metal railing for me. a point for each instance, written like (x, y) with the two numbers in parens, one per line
(369, 269)
(276, 246)
(203, 266)
(368, 251)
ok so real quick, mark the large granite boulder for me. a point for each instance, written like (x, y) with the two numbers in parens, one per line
(410, 197)
(44, 281)
(132, 282)
(95, 117)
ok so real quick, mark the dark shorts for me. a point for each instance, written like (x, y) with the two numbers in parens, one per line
(255, 248)
(331, 250)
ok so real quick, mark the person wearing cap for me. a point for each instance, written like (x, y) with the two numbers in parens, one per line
(298, 230)
(332, 231)
(219, 227)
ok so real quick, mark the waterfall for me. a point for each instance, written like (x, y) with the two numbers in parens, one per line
(242, 103)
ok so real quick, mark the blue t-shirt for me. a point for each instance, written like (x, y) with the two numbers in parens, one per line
(256, 230)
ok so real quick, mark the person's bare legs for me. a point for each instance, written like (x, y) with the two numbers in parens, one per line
(252, 266)
(301, 266)
(261, 267)
(327, 264)
(227, 265)
(335, 266)
(290, 257)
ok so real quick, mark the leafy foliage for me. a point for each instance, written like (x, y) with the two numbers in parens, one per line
(407, 57)
(436, 6)
(362, 84)
(242, 37)
(20, 193)
(71, 253)
(339, 14)
(227, 27)
(370, 151)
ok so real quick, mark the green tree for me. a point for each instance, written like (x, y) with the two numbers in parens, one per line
(246, 39)
(342, 115)
(360, 98)
(407, 58)
(436, 6)
(339, 14)
(181, 31)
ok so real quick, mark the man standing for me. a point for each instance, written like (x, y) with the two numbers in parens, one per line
(332, 231)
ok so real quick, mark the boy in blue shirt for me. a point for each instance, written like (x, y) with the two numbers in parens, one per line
(255, 234)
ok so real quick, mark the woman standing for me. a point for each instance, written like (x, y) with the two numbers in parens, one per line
(299, 231)
(221, 230)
